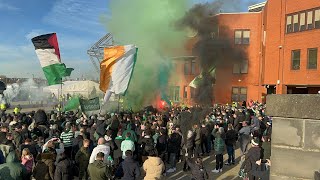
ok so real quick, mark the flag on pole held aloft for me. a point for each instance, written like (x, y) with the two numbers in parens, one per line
(90, 104)
(197, 80)
(116, 69)
(72, 104)
(47, 50)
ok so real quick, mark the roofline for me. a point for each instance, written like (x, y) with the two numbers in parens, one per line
(262, 4)
(239, 13)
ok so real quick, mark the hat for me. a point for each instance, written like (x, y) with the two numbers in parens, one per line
(255, 142)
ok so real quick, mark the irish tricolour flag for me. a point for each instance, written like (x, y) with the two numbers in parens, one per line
(116, 69)
(47, 50)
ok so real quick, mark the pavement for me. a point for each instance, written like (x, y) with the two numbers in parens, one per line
(228, 173)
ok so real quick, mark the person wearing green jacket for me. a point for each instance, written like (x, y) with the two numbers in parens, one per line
(82, 158)
(219, 146)
(12, 169)
(133, 136)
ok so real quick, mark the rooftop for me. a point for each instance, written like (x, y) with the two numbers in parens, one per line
(257, 7)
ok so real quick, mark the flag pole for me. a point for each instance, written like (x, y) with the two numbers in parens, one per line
(61, 94)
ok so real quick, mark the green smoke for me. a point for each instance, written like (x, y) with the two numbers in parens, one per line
(150, 25)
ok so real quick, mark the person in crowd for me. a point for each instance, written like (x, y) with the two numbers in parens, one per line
(82, 159)
(219, 146)
(131, 169)
(64, 168)
(231, 138)
(27, 160)
(174, 147)
(127, 144)
(117, 154)
(189, 146)
(244, 137)
(161, 145)
(98, 170)
(198, 170)
(263, 170)
(253, 155)
(67, 138)
(154, 167)
(101, 147)
(30, 146)
(13, 169)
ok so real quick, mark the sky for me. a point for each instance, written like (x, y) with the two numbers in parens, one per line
(78, 26)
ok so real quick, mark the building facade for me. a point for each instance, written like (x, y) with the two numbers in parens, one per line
(280, 40)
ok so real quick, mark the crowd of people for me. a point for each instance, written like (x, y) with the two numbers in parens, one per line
(129, 146)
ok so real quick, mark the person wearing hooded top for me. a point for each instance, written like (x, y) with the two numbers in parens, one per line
(98, 170)
(153, 166)
(198, 171)
(253, 155)
(12, 169)
(45, 167)
(133, 135)
(63, 168)
(130, 167)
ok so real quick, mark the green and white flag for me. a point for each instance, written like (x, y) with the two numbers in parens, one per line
(90, 104)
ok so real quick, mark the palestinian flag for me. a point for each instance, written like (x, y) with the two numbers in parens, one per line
(116, 69)
(47, 50)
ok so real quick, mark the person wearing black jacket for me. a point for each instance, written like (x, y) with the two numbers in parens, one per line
(161, 145)
(130, 167)
(174, 143)
(198, 171)
(63, 169)
(231, 138)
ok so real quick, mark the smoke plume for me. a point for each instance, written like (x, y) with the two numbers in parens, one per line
(22, 92)
(213, 48)
(150, 25)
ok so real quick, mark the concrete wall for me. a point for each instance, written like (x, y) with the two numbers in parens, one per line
(295, 136)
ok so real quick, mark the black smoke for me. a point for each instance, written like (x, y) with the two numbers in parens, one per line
(213, 48)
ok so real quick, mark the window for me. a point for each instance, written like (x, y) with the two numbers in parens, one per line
(190, 67)
(312, 58)
(240, 68)
(237, 37)
(310, 20)
(193, 67)
(242, 37)
(289, 24)
(295, 60)
(175, 93)
(239, 94)
(296, 23)
(246, 37)
(244, 67)
(185, 92)
(187, 69)
(302, 21)
(317, 18)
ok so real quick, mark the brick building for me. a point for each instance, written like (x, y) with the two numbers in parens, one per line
(280, 39)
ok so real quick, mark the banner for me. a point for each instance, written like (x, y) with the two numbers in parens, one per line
(90, 105)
